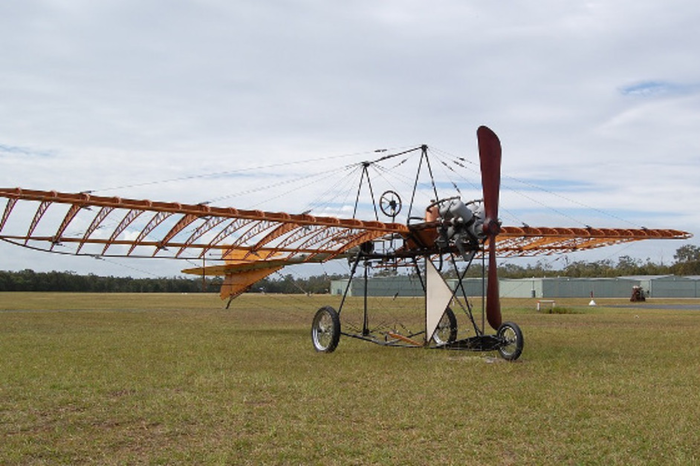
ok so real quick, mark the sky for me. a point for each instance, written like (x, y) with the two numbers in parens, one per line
(597, 105)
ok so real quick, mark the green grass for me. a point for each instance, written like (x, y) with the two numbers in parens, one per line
(176, 379)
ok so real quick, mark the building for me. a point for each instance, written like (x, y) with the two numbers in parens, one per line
(670, 286)
(657, 286)
(399, 286)
(567, 287)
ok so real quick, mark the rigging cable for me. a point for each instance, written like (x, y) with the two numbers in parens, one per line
(222, 173)
(464, 163)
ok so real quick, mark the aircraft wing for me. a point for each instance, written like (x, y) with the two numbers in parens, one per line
(526, 241)
(247, 241)
(251, 244)
(529, 241)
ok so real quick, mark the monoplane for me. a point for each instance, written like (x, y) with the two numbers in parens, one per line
(252, 244)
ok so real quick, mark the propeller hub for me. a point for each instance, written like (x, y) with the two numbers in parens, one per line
(491, 227)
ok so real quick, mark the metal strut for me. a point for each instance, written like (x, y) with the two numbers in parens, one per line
(423, 156)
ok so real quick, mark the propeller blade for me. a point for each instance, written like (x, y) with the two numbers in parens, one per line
(493, 301)
(490, 157)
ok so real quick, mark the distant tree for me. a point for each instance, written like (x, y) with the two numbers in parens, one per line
(603, 268)
(627, 265)
(687, 260)
(687, 253)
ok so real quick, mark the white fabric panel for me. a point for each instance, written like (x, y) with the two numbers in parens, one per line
(437, 297)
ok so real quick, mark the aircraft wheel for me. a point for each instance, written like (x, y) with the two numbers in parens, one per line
(447, 328)
(325, 330)
(512, 338)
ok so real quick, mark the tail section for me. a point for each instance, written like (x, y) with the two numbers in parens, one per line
(237, 283)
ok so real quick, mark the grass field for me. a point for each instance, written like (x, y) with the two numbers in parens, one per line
(176, 379)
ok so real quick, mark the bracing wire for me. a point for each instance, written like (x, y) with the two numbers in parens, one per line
(342, 188)
(453, 164)
(555, 194)
(461, 162)
(323, 174)
(223, 173)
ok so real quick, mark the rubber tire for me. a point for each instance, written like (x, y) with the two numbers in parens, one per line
(511, 333)
(325, 330)
(452, 320)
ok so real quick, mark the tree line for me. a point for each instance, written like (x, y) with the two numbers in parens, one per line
(624, 266)
(687, 262)
(29, 280)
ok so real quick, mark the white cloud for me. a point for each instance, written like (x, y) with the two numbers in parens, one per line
(111, 94)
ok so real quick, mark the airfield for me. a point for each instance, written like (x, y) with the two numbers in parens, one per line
(177, 379)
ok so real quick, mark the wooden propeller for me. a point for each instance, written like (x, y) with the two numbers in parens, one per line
(490, 158)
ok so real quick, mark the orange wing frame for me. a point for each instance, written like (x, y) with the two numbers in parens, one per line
(117, 227)
(531, 241)
(251, 243)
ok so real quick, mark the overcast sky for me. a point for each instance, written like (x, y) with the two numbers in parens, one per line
(597, 103)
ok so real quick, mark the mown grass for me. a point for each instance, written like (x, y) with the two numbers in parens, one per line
(176, 379)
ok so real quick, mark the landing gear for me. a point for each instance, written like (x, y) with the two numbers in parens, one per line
(325, 330)
(447, 329)
(511, 341)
